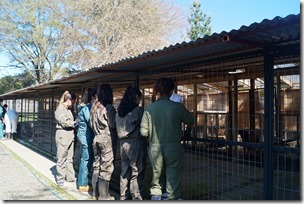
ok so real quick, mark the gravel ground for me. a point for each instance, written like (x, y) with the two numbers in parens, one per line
(20, 181)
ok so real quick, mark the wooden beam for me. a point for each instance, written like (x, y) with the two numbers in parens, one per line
(218, 86)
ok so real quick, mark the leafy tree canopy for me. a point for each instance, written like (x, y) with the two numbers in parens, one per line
(199, 22)
(12, 83)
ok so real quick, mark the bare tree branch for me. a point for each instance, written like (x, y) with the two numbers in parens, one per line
(46, 38)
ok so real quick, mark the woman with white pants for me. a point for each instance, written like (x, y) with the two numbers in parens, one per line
(11, 121)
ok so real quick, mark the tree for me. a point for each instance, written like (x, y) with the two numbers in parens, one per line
(49, 39)
(12, 83)
(116, 29)
(199, 22)
(30, 35)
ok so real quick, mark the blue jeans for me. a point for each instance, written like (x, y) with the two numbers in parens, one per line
(1, 130)
(86, 161)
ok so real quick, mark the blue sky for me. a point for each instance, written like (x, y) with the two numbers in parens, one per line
(232, 14)
(225, 15)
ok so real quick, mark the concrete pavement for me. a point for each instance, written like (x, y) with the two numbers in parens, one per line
(27, 175)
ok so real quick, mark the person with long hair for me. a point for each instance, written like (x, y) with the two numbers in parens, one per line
(85, 137)
(102, 121)
(132, 145)
(65, 140)
(162, 124)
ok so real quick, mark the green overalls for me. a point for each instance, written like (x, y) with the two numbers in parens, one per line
(162, 123)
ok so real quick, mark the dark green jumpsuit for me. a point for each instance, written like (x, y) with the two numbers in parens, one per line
(162, 123)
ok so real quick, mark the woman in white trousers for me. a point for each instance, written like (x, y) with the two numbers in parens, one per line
(11, 121)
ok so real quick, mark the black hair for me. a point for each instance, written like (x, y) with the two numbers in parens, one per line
(73, 95)
(131, 93)
(129, 101)
(163, 86)
(105, 94)
(87, 95)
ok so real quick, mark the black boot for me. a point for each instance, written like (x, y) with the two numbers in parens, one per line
(103, 188)
(95, 193)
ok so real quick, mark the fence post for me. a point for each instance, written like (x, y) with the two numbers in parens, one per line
(269, 126)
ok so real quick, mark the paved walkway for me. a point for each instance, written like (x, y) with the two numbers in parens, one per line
(27, 175)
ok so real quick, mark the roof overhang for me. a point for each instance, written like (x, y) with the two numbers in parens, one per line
(217, 54)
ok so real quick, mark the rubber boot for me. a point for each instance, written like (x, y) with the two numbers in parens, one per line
(103, 188)
(95, 192)
(9, 135)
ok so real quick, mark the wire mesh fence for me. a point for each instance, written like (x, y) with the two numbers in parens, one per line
(243, 89)
(224, 155)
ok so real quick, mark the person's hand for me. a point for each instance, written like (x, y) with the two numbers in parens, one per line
(76, 123)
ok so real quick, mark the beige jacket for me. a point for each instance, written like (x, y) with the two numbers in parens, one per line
(65, 125)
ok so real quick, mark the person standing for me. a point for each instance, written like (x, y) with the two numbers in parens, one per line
(132, 145)
(161, 123)
(4, 110)
(3, 114)
(180, 99)
(85, 137)
(102, 121)
(11, 122)
(1, 119)
(65, 140)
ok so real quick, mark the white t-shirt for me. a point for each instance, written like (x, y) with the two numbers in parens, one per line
(11, 114)
(177, 98)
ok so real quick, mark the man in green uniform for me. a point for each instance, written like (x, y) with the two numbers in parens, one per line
(161, 123)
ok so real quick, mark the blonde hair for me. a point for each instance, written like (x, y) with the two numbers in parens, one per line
(65, 96)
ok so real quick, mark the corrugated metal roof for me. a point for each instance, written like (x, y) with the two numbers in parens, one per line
(243, 46)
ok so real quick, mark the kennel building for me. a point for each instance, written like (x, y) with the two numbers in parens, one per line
(242, 87)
